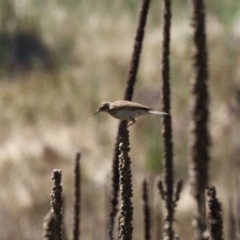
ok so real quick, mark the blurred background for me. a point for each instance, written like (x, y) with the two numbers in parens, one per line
(59, 59)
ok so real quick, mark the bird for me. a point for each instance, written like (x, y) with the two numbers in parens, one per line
(126, 110)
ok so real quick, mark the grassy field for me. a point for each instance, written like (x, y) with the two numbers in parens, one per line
(47, 114)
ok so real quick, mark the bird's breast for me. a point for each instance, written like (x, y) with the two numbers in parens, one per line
(128, 114)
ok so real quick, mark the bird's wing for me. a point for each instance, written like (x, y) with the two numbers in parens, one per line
(122, 104)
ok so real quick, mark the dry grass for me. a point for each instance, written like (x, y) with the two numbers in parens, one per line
(47, 117)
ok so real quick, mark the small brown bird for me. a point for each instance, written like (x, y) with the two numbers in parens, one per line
(126, 110)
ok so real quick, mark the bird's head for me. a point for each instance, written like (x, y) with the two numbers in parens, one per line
(103, 107)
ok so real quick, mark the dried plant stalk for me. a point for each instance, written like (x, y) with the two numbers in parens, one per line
(146, 211)
(125, 184)
(53, 222)
(127, 96)
(200, 115)
(215, 222)
(166, 185)
(77, 198)
(49, 227)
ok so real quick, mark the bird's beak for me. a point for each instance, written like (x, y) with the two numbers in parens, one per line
(96, 112)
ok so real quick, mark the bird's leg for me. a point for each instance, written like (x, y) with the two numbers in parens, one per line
(131, 122)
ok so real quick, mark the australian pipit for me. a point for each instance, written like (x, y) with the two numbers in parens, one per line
(126, 110)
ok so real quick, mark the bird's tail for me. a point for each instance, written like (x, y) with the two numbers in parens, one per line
(157, 112)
